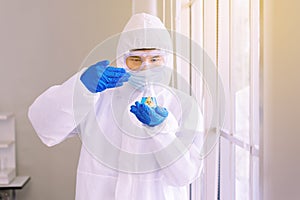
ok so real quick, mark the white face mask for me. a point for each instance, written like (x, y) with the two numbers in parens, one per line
(160, 74)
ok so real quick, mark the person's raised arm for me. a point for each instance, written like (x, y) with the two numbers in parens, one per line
(56, 114)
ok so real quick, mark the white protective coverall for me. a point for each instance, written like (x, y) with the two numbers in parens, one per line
(121, 158)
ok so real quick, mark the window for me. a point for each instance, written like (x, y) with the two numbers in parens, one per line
(228, 31)
(238, 63)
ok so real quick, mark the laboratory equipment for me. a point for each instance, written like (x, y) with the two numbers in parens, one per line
(7, 148)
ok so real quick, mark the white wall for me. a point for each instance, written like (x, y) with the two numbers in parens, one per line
(281, 134)
(42, 43)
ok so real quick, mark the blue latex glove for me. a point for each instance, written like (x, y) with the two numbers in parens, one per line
(151, 116)
(101, 76)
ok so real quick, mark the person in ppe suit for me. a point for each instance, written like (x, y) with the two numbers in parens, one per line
(140, 137)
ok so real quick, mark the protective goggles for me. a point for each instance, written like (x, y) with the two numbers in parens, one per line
(140, 60)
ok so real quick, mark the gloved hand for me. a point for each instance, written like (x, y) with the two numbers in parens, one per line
(151, 116)
(101, 76)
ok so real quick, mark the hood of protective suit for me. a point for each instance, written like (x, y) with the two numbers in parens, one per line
(146, 31)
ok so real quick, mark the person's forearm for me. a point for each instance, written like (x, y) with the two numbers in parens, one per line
(59, 110)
